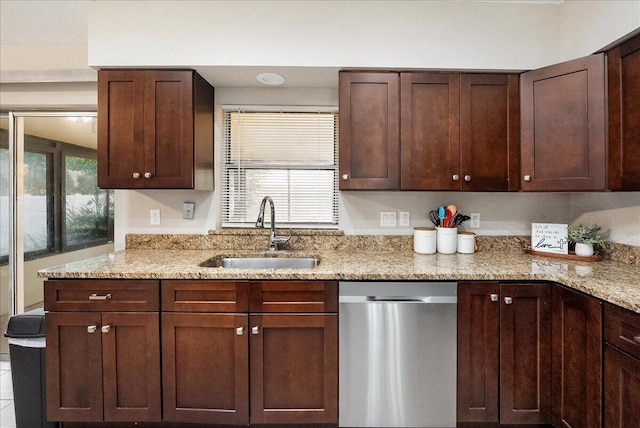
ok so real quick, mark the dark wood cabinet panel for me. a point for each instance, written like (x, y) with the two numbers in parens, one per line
(74, 367)
(97, 295)
(525, 354)
(622, 329)
(103, 367)
(577, 359)
(155, 129)
(294, 368)
(478, 352)
(621, 389)
(131, 366)
(293, 296)
(563, 141)
(489, 132)
(205, 368)
(369, 131)
(205, 296)
(430, 134)
(623, 74)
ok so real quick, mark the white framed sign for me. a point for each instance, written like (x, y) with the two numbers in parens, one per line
(549, 238)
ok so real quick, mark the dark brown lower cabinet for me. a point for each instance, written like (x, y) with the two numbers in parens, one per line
(621, 389)
(509, 383)
(577, 359)
(294, 368)
(205, 368)
(103, 366)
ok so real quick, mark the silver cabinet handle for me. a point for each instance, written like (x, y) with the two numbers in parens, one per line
(255, 330)
(136, 175)
(94, 296)
(467, 178)
(637, 338)
(527, 178)
(494, 297)
(105, 328)
(456, 177)
(147, 175)
(91, 328)
(240, 331)
(345, 176)
(508, 300)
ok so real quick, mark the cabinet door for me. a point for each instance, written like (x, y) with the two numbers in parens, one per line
(621, 389)
(121, 129)
(369, 131)
(131, 366)
(294, 368)
(74, 367)
(489, 132)
(430, 136)
(577, 359)
(478, 353)
(205, 368)
(168, 129)
(525, 354)
(624, 115)
(563, 126)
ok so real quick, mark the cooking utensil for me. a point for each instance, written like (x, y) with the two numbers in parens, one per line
(453, 209)
(433, 216)
(441, 213)
(447, 217)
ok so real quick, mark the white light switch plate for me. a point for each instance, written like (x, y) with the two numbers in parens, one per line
(188, 209)
(387, 219)
(475, 221)
(154, 217)
(405, 219)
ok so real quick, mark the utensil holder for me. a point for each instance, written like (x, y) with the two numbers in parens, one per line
(447, 239)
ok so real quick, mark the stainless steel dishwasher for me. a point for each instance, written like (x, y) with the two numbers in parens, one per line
(397, 344)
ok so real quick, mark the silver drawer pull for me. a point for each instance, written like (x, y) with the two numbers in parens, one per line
(345, 176)
(147, 175)
(136, 175)
(637, 338)
(467, 178)
(455, 177)
(508, 300)
(94, 296)
(527, 178)
(494, 297)
(255, 330)
(91, 328)
(240, 331)
(105, 328)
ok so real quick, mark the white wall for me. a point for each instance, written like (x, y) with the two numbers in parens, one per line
(617, 212)
(422, 34)
(588, 26)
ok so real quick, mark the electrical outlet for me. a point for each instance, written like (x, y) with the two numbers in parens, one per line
(154, 217)
(405, 219)
(387, 219)
(188, 209)
(475, 221)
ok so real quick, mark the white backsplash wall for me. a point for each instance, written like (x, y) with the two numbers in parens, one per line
(617, 212)
(500, 213)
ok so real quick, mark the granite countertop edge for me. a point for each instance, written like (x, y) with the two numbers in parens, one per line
(613, 282)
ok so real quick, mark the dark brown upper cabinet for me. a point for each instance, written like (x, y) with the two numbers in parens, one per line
(459, 131)
(155, 130)
(563, 138)
(369, 131)
(624, 115)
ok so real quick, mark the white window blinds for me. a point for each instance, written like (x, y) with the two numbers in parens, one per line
(289, 154)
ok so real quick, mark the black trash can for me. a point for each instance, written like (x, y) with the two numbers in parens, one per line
(26, 333)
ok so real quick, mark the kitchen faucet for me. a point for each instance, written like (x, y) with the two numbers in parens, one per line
(274, 240)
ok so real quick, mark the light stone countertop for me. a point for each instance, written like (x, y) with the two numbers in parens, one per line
(611, 281)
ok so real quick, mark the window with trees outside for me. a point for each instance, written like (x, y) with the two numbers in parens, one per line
(289, 154)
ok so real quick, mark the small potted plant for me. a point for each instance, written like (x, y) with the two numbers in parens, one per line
(587, 239)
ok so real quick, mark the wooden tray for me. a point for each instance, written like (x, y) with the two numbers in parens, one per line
(571, 256)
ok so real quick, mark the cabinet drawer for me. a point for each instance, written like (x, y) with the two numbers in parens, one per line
(205, 296)
(101, 295)
(293, 296)
(622, 329)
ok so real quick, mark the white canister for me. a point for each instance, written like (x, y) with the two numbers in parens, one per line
(447, 239)
(466, 242)
(424, 240)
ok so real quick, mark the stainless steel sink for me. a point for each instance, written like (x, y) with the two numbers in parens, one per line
(262, 262)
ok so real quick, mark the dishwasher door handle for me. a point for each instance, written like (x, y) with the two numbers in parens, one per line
(399, 299)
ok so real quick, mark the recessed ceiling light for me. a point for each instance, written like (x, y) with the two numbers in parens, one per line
(271, 79)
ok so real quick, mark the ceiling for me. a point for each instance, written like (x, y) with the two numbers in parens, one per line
(64, 23)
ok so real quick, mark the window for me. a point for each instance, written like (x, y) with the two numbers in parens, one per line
(288, 154)
(64, 210)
